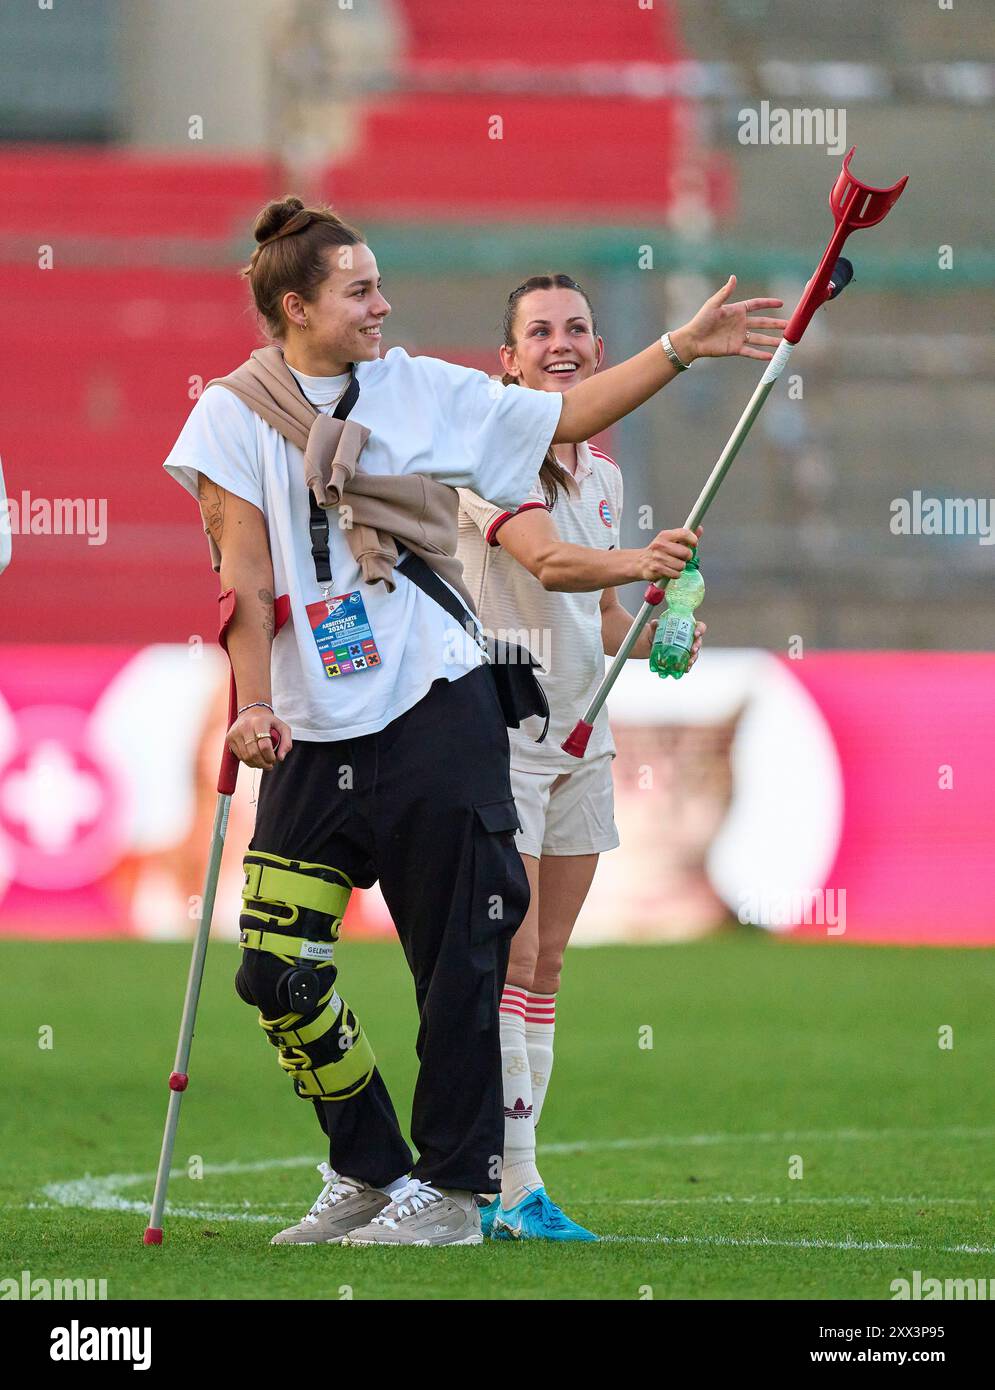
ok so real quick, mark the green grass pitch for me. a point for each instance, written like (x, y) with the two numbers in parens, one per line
(764, 1052)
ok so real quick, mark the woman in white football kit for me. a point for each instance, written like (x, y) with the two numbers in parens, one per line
(545, 573)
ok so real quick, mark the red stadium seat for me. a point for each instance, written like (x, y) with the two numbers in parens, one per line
(557, 31)
(117, 193)
(430, 153)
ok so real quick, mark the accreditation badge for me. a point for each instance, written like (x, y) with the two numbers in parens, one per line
(343, 634)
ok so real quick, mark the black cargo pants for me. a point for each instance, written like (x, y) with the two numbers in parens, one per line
(429, 813)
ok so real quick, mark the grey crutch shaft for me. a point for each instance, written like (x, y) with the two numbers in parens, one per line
(178, 1077)
(705, 499)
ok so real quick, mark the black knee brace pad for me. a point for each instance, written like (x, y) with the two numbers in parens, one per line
(271, 985)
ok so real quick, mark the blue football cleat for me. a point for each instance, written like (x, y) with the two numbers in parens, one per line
(488, 1211)
(536, 1217)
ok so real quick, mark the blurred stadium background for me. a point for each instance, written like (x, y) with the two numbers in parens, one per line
(836, 735)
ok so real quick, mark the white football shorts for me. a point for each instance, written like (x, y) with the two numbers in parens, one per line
(566, 812)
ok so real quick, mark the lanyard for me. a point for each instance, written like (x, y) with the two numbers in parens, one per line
(319, 515)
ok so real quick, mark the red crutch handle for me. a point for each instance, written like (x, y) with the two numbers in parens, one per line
(228, 774)
(854, 205)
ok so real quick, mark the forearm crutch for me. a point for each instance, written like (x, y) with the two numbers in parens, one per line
(854, 205)
(178, 1078)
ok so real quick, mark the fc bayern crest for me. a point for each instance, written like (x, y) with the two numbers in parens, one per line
(605, 512)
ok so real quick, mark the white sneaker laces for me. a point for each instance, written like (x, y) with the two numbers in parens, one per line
(412, 1198)
(335, 1189)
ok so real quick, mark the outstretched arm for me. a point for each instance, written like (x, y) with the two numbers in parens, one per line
(718, 329)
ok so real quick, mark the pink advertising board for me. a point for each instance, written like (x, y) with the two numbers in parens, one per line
(845, 795)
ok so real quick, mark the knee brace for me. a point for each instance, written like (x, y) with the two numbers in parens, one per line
(326, 1052)
(293, 911)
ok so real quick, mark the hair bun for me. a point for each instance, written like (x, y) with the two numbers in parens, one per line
(275, 216)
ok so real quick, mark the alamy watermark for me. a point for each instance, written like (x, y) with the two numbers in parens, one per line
(55, 516)
(926, 1289)
(777, 125)
(506, 646)
(943, 516)
(25, 1287)
(820, 907)
(84, 1343)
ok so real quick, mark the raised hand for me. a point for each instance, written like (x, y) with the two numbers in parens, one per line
(721, 329)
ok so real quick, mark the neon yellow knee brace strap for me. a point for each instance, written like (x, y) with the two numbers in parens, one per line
(291, 908)
(329, 1057)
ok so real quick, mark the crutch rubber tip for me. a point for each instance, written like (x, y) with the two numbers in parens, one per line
(576, 741)
(152, 1236)
(178, 1080)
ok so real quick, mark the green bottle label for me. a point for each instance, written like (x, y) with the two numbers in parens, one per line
(678, 632)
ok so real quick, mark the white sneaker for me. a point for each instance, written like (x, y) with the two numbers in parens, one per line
(423, 1215)
(342, 1204)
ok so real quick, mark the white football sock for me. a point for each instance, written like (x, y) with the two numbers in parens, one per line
(519, 1174)
(540, 1022)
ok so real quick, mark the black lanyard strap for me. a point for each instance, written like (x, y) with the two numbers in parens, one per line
(319, 514)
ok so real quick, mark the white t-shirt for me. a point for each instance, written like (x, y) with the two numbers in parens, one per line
(450, 423)
(561, 629)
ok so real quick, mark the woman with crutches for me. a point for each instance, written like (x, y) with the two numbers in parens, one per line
(549, 567)
(391, 758)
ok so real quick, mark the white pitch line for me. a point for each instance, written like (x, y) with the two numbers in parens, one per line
(767, 1200)
(104, 1194)
(748, 1242)
(763, 1241)
(677, 1141)
(142, 1208)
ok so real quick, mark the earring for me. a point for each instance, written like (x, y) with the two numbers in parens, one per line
(303, 325)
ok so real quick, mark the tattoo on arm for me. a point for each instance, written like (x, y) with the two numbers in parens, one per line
(212, 506)
(266, 599)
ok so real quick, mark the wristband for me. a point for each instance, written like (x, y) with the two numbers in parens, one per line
(258, 704)
(669, 349)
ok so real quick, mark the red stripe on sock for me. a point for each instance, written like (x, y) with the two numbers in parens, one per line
(540, 1008)
(513, 1001)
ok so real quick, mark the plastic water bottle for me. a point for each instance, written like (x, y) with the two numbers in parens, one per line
(675, 632)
